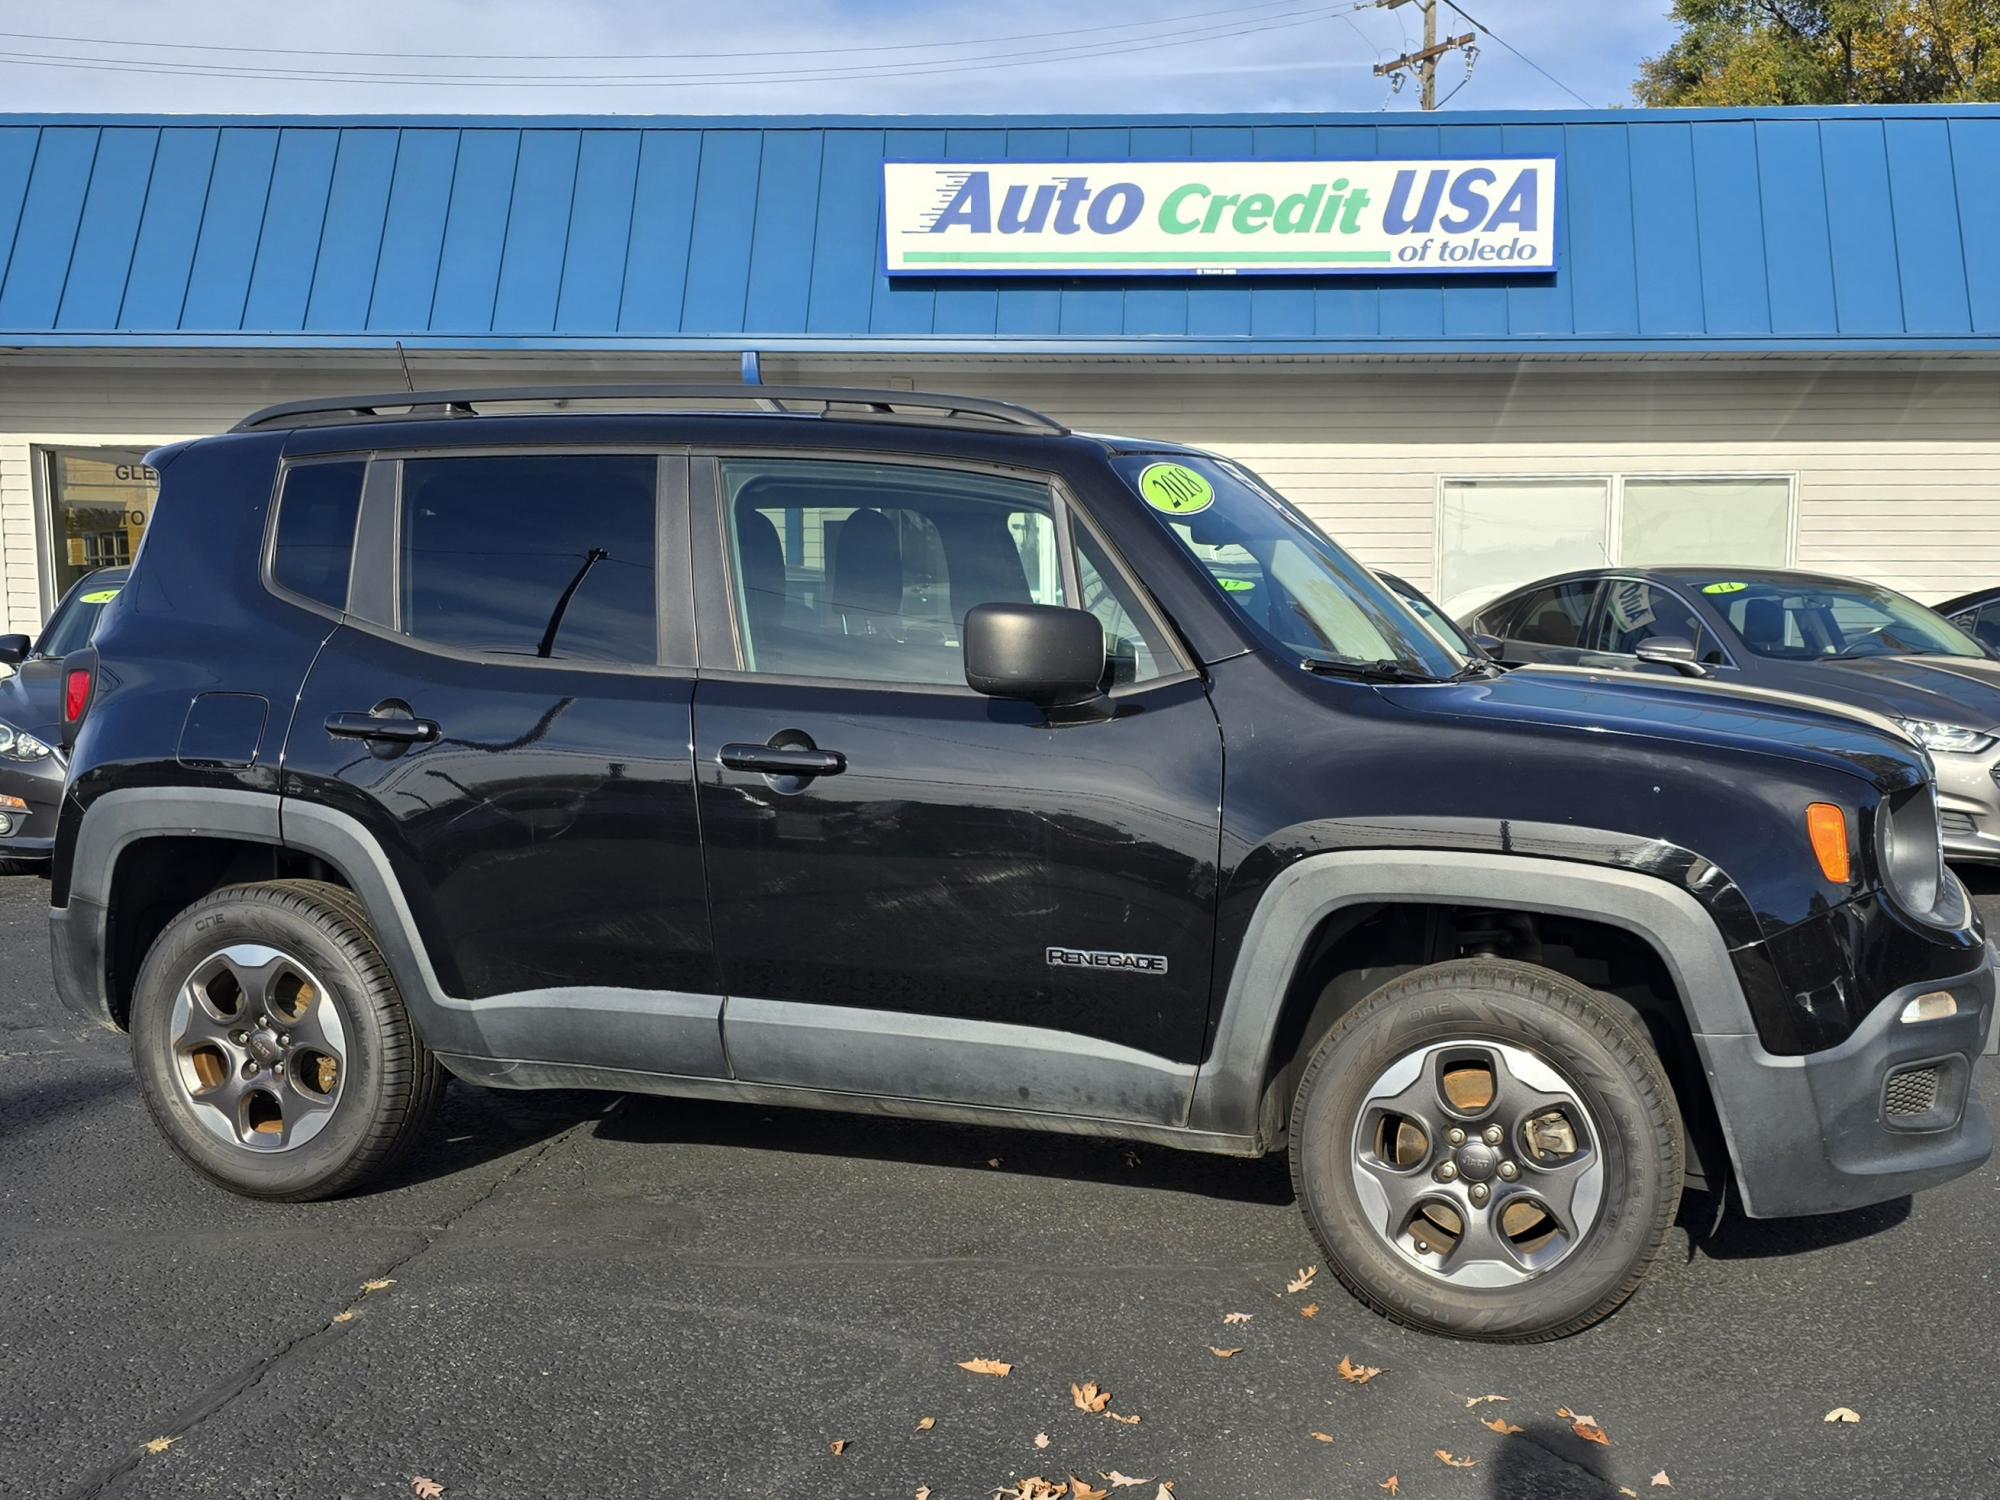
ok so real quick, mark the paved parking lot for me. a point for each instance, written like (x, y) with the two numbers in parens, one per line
(577, 1295)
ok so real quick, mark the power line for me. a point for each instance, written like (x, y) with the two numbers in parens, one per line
(90, 63)
(1022, 36)
(1482, 26)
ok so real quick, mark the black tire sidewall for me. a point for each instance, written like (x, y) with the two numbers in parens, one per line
(226, 920)
(1617, 1080)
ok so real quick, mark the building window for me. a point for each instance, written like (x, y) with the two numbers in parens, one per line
(100, 500)
(1496, 534)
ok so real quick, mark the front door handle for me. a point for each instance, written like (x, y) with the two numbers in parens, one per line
(782, 760)
(395, 731)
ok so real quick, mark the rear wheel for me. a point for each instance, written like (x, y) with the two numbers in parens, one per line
(272, 1045)
(1488, 1150)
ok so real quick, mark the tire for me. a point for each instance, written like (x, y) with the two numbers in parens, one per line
(1560, 1242)
(257, 1108)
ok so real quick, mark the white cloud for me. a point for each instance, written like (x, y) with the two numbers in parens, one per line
(1233, 56)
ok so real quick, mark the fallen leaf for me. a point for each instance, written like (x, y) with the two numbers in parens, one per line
(1355, 1374)
(1036, 1488)
(1041, 1440)
(986, 1366)
(1472, 1401)
(1131, 1158)
(1165, 1491)
(1088, 1397)
(992, 1161)
(1303, 1280)
(925, 1424)
(1444, 1457)
(1628, 1491)
(1584, 1427)
(425, 1489)
(1079, 1490)
(1842, 1414)
(1500, 1425)
(1322, 1437)
(160, 1445)
(345, 1315)
(1225, 1353)
(923, 1492)
(1131, 1421)
(1237, 1317)
(382, 1284)
(1392, 1484)
(1310, 1310)
(839, 1446)
(1119, 1481)
(1661, 1482)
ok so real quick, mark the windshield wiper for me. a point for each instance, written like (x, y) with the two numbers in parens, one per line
(1477, 666)
(1365, 671)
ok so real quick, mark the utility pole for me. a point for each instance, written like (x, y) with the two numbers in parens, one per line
(1423, 62)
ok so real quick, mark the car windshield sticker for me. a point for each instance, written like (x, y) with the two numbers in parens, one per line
(1725, 588)
(1236, 585)
(1175, 489)
(99, 596)
(1631, 605)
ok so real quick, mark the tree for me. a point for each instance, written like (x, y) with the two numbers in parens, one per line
(1826, 52)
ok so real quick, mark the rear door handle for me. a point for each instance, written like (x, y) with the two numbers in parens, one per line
(396, 731)
(773, 760)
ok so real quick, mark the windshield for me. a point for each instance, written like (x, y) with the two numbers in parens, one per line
(1431, 615)
(77, 617)
(1277, 571)
(1832, 621)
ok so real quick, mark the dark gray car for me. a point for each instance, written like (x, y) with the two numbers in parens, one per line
(1832, 638)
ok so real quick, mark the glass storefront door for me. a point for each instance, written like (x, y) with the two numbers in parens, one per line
(100, 500)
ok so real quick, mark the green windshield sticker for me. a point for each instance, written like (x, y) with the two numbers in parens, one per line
(99, 596)
(1236, 585)
(1175, 489)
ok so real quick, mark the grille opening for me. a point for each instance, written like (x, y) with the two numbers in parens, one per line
(1958, 822)
(1911, 1093)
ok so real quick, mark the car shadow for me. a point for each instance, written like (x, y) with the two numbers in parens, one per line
(1737, 1236)
(647, 1119)
(1546, 1460)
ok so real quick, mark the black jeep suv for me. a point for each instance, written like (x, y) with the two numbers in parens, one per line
(887, 752)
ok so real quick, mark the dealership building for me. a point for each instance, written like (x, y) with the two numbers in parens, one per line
(1476, 348)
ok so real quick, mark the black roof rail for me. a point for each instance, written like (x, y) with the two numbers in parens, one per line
(831, 401)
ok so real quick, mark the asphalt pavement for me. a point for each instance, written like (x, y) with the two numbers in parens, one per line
(574, 1295)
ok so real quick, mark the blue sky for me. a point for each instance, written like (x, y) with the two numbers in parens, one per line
(798, 56)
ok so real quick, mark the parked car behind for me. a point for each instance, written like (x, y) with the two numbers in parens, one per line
(916, 755)
(31, 767)
(1978, 615)
(1833, 638)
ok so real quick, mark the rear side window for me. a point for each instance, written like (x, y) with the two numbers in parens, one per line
(315, 544)
(538, 556)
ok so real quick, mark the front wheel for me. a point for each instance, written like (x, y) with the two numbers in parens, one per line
(272, 1045)
(1486, 1149)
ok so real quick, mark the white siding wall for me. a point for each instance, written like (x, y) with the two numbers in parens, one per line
(1897, 462)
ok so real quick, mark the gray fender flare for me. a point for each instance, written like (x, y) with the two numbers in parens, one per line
(1228, 1094)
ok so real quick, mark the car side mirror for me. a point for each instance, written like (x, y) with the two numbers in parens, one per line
(1490, 644)
(1675, 651)
(1042, 653)
(14, 649)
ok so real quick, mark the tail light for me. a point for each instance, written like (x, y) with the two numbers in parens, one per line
(79, 687)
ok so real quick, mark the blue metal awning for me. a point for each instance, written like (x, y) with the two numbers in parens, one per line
(1682, 231)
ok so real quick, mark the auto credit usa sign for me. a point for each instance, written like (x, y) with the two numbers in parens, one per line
(1476, 215)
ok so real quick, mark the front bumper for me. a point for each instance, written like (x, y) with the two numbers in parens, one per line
(1969, 805)
(1822, 1133)
(27, 838)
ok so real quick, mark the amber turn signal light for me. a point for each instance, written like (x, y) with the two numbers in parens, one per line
(1827, 826)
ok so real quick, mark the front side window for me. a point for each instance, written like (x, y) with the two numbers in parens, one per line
(1828, 621)
(1278, 571)
(531, 556)
(314, 547)
(1636, 612)
(863, 571)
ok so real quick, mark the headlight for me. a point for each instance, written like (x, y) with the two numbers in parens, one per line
(1910, 850)
(16, 744)
(1956, 737)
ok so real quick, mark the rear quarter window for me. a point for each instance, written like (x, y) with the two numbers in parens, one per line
(314, 548)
